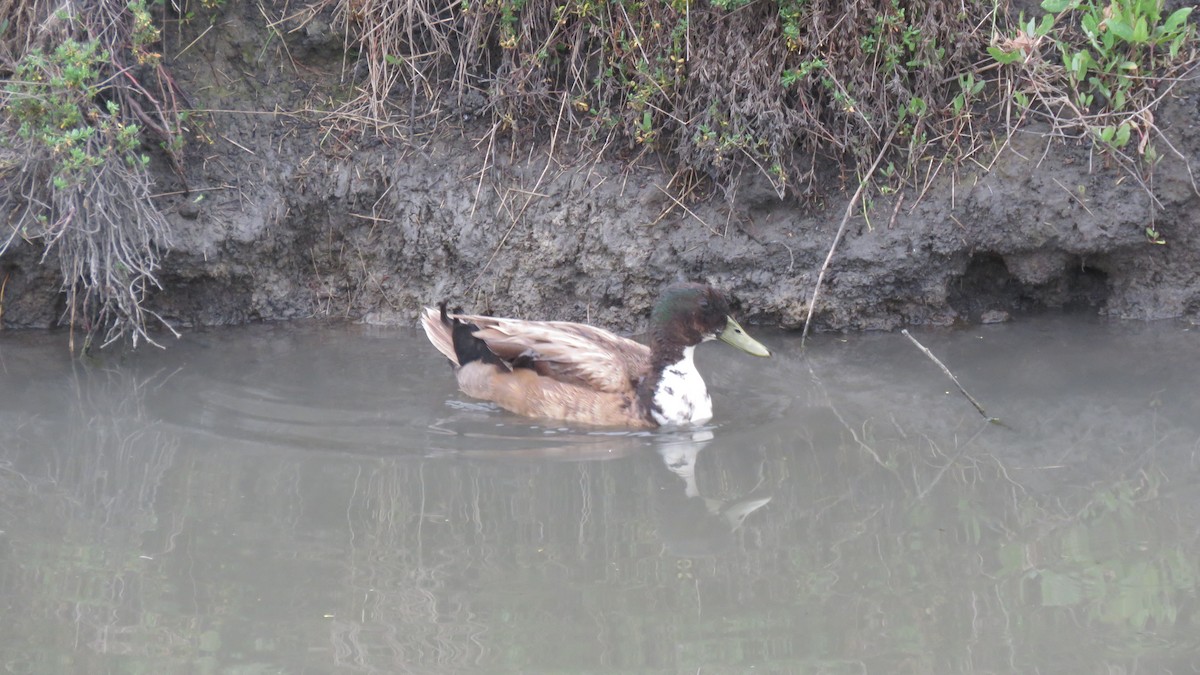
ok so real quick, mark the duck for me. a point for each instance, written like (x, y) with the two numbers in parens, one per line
(581, 374)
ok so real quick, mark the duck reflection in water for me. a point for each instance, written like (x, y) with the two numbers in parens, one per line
(692, 521)
(701, 521)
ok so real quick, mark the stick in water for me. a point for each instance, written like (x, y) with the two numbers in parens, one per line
(950, 375)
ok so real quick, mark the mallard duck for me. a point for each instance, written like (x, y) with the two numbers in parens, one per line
(587, 375)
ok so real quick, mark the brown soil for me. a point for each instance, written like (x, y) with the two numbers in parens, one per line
(283, 219)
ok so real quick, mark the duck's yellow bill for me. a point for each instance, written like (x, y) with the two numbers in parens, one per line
(734, 334)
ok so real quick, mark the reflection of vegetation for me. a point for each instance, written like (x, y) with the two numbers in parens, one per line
(83, 489)
(960, 548)
(1101, 561)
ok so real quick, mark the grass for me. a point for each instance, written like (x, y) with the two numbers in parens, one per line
(1095, 71)
(776, 87)
(771, 86)
(77, 110)
(720, 90)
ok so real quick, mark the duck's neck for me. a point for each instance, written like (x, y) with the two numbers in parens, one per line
(674, 393)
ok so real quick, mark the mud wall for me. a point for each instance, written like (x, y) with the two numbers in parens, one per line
(280, 218)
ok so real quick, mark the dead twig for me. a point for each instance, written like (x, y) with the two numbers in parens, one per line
(530, 196)
(950, 375)
(895, 211)
(862, 184)
(3, 285)
(689, 211)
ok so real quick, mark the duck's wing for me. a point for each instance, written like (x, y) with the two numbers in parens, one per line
(439, 333)
(571, 352)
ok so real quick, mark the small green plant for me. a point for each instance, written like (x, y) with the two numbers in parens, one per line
(1095, 70)
(791, 18)
(83, 186)
(144, 34)
(1098, 66)
(729, 5)
(87, 93)
(51, 102)
(969, 90)
(894, 41)
(794, 75)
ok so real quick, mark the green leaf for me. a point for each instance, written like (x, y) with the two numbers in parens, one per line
(1141, 32)
(1122, 136)
(1120, 28)
(1109, 41)
(1011, 557)
(1176, 19)
(1056, 6)
(1091, 24)
(1151, 9)
(1046, 25)
(1003, 57)
(1100, 87)
(1080, 63)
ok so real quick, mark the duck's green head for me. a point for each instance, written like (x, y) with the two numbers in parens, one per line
(688, 314)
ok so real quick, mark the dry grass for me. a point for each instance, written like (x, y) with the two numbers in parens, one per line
(74, 179)
(772, 86)
(775, 87)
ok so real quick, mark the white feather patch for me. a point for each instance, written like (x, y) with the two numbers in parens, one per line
(681, 396)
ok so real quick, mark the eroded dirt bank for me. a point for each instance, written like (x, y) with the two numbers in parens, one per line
(282, 219)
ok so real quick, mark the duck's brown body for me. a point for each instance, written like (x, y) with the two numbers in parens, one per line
(586, 375)
(552, 369)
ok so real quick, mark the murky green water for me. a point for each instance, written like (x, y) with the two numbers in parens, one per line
(307, 500)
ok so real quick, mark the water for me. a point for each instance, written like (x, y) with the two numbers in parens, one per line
(297, 499)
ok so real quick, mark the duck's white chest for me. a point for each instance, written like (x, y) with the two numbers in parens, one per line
(681, 396)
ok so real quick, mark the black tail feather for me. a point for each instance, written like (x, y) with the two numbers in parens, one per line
(467, 347)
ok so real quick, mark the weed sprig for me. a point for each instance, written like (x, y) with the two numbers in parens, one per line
(77, 107)
(1096, 69)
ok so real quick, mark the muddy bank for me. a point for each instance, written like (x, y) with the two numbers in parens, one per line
(281, 219)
